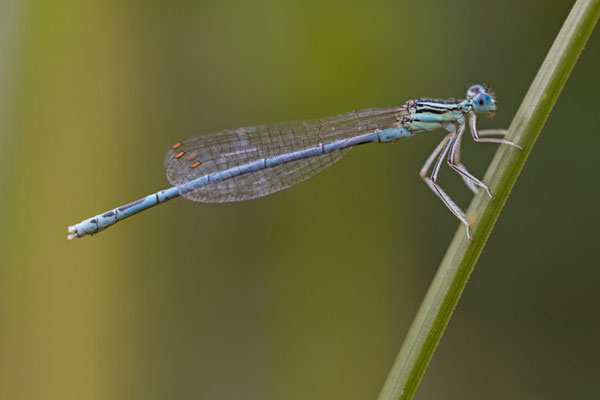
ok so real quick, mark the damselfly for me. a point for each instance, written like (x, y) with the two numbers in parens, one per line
(245, 163)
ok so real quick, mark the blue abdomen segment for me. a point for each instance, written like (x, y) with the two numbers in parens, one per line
(391, 134)
(102, 221)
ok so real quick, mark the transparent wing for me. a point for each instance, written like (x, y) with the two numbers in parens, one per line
(206, 154)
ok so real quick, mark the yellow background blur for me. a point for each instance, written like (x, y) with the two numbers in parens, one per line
(308, 293)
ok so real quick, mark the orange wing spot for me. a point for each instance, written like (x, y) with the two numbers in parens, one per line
(191, 156)
(178, 155)
(176, 145)
(194, 165)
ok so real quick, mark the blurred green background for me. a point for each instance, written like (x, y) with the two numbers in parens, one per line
(308, 293)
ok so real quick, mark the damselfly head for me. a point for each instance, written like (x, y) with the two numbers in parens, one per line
(482, 101)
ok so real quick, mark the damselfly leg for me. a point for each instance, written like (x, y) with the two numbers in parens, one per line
(460, 168)
(440, 152)
(477, 136)
(449, 148)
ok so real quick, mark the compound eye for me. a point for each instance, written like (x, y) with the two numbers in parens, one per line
(483, 103)
(474, 91)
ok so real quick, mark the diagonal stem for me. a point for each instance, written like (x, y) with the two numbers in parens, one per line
(459, 261)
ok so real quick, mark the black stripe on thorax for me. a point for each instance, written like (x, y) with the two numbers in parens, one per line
(427, 109)
(437, 101)
(429, 106)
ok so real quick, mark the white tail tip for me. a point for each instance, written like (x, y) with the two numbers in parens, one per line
(72, 232)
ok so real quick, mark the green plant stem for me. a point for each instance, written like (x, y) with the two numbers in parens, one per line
(459, 261)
